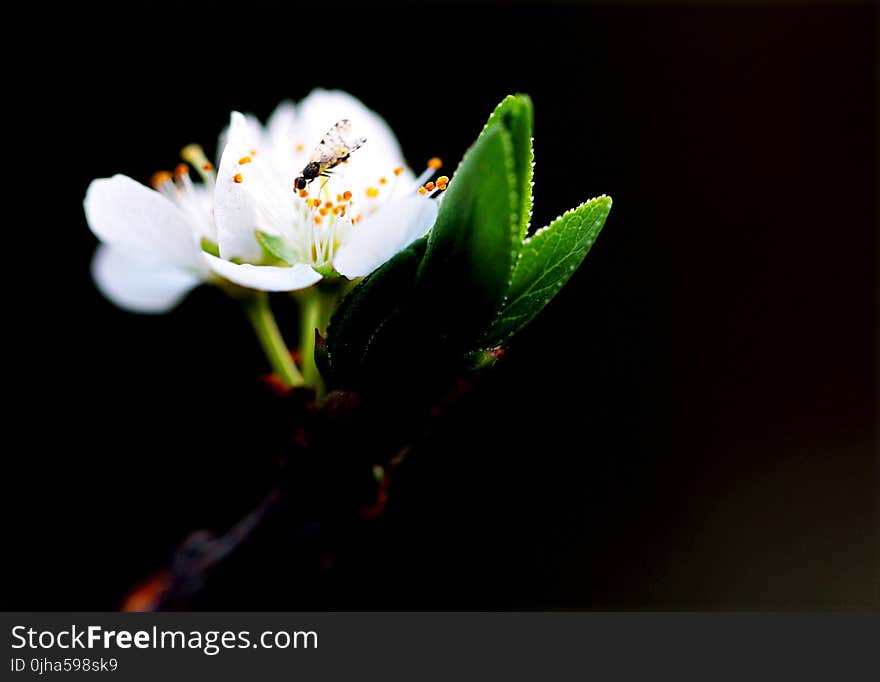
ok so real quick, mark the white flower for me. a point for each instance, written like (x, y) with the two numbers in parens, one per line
(352, 222)
(249, 225)
(150, 256)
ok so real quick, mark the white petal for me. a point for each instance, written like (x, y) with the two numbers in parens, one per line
(379, 155)
(137, 286)
(255, 133)
(197, 203)
(396, 225)
(286, 142)
(265, 277)
(257, 202)
(141, 222)
(281, 128)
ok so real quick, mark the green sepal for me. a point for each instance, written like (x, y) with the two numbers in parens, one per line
(210, 247)
(327, 271)
(275, 247)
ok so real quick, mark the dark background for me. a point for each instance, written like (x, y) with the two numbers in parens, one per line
(689, 425)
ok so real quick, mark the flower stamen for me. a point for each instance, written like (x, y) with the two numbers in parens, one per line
(194, 155)
(160, 180)
(434, 164)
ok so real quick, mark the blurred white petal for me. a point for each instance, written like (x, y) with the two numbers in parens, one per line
(137, 286)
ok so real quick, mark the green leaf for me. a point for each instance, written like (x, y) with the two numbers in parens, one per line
(276, 247)
(516, 114)
(473, 281)
(364, 312)
(547, 260)
(472, 247)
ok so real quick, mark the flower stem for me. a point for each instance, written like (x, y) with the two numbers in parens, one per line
(277, 353)
(311, 317)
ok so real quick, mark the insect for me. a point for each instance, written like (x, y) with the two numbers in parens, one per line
(334, 148)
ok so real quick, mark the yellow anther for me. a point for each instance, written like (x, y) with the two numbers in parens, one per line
(346, 195)
(194, 155)
(383, 181)
(422, 191)
(435, 163)
(317, 220)
(300, 148)
(237, 177)
(244, 159)
(398, 170)
(181, 170)
(303, 192)
(372, 192)
(442, 180)
(429, 186)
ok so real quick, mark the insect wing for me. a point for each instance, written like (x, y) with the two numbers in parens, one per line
(336, 145)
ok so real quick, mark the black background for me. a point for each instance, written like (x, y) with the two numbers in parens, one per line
(690, 424)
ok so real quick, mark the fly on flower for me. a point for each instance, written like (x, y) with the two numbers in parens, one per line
(334, 148)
